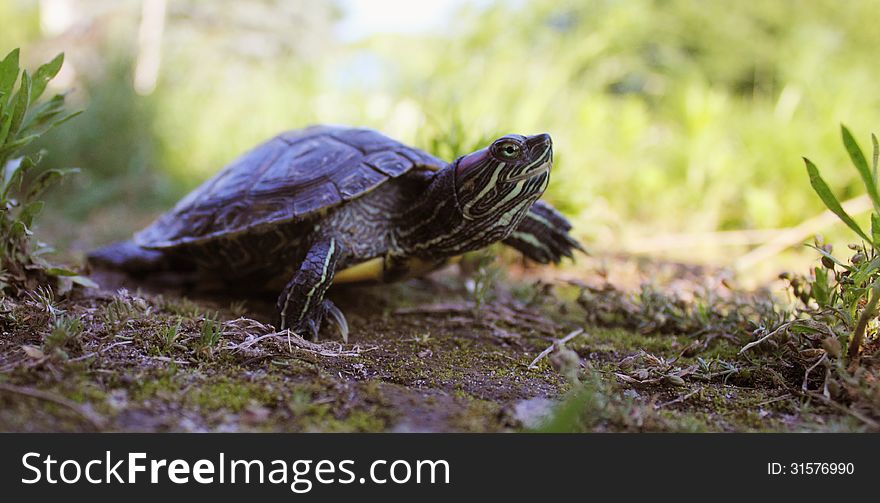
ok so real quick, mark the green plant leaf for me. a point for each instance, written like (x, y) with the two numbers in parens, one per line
(64, 119)
(44, 112)
(83, 281)
(31, 210)
(820, 287)
(875, 227)
(803, 328)
(44, 74)
(47, 116)
(861, 164)
(46, 179)
(830, 256)
(60, 271)
(10, 148)
(864, 272)
(8, 170)
(23, 118)
(17, 230)
(20, 102)
(14, 172)
(8, 74)
(876, 155)
(5, 125)
(830, 201)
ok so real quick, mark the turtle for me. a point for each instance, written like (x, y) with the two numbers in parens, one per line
(333, 204)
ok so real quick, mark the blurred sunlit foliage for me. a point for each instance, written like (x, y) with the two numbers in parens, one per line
(667, 116)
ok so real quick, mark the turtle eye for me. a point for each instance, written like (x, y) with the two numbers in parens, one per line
(507, 149)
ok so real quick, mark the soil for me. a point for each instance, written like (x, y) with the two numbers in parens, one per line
(424, 355)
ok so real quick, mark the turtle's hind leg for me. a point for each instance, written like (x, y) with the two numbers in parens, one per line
(301, 305)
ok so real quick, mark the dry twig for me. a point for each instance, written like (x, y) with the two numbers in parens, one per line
(762, 339)
(679, 399)
(555, 345)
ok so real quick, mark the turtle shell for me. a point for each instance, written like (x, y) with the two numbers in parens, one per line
(288, 178)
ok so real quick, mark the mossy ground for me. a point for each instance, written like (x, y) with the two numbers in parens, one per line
(424, 355)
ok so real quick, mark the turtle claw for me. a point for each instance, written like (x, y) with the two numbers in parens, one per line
(337, 317)
(543, 236)
(312, 325)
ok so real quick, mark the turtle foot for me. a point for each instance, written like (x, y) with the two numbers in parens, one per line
(311, 325)
(337, 318)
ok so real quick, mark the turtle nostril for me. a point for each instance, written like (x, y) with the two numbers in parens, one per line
(540, 144)
(540, 141)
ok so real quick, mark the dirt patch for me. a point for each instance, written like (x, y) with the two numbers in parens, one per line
(424, 355)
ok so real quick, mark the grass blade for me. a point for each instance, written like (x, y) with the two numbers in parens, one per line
(830, 256)
(876, 155)
(861, 164)
(830, 201)
(875, 227)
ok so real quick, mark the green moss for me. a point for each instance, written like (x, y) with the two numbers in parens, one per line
(228, 394)
(476, 416)
(146, 386)
(623, 341)
(321, 419)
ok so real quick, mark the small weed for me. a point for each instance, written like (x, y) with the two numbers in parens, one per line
(831, 335)
(23, 119)
(600, 405)
(65, 335)
(652, 310)
(854, 291)
(210, 332)
(481, 285)
(422, 338)
(300, 402)
(533, 294)
(44, 297)
(168, 336)
(124, 308)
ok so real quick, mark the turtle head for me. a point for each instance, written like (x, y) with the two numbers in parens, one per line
(498, 183)
(479, 199)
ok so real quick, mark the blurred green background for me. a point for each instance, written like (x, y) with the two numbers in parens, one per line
(679, 126)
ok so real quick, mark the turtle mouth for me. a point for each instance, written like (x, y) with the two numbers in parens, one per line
(540, 170)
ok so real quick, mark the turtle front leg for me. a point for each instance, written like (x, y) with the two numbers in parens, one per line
(301, 305)
(543, 235)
